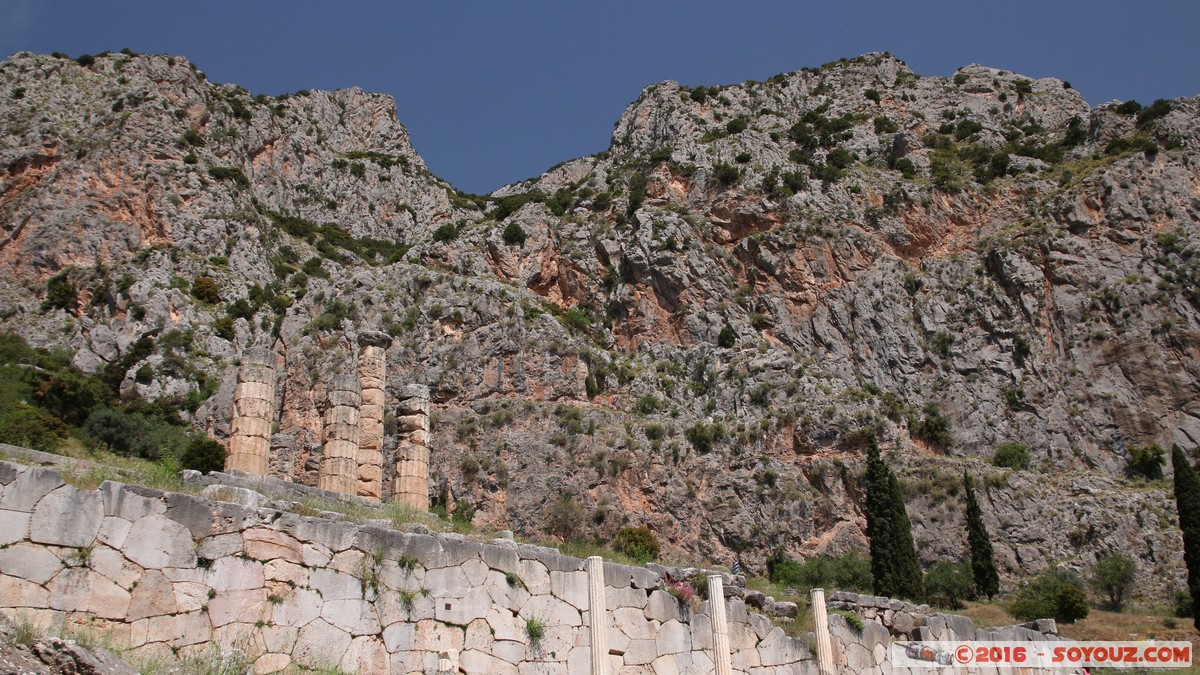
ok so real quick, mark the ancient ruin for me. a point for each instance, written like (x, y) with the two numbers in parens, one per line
(411, 486)
(339, 463)
(253, 413)
(353, 433)
(372, 370)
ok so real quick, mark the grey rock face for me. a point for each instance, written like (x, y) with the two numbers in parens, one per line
(692, 331)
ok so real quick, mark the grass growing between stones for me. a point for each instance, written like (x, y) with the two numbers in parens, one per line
(87, 470)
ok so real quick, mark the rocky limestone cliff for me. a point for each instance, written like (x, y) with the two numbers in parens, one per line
(693, 330)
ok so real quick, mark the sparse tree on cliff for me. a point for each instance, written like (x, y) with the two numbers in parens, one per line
(894, 565)
(1187, 503)
(983, 562)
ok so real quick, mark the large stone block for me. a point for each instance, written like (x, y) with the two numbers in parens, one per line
(254, 407)
(673, 638)
(262, 391)
(31, 563)
(128, 502)
(16, 592)
(264, 544)
(250, 426)
(335, 585)
(82, 590)
(353, 615)
(28, 488)
(475, 661)
(779, 649)
(321, 645)
(154, 595)
(180, 630)
(572, 587)
(551, 611)
(155, 542)
(115, 567)
(662, 606)
(366, 654)
(461, 611)
(343, 430)
(299, 608)
(14, 526)
(633, 623)
(67, 517)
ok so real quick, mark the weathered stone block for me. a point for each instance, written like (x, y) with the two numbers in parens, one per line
(320, 644)
(67, 517)
(155, 542)
(31, 563)
(353, 615)
(366, 654)
(264, 544)
(154, 595)
(14, 526)
(28, 488)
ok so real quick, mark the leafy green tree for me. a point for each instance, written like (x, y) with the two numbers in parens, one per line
(949, 583)
(1057, 593)
(847, 572)
(206, 289)
(1113, 575)
(30, 427)
(1187, 503)
(564, 517)
(983, 562)
(727, 338)
(203, 454)
(514, 234)
(1147, 462)
(638, 543)
(60, 293)
(894, 566)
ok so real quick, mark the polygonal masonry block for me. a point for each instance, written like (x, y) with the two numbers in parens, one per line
(67, 517)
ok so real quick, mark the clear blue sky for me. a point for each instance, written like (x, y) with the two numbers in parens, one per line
(497, 91)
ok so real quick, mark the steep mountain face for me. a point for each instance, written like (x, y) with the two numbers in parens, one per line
(694, 330)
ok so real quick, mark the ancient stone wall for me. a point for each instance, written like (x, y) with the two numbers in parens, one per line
(167, 574)
(253, 413)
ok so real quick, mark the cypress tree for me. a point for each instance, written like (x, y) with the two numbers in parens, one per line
(894, 567)
(983, 563)
(1187, 503)
(910, 579)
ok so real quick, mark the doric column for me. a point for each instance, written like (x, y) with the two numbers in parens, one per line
(339, 463)
(372, 369)
(598, 614)
(411, 486)
(722, 660)
(821, 620)
(253, 413)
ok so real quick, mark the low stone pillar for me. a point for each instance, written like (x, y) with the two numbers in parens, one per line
(821, 621)
(598, 613)
(722, 660)
(411, 486)
(339, 463)
(372, 371)
(253, 413)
